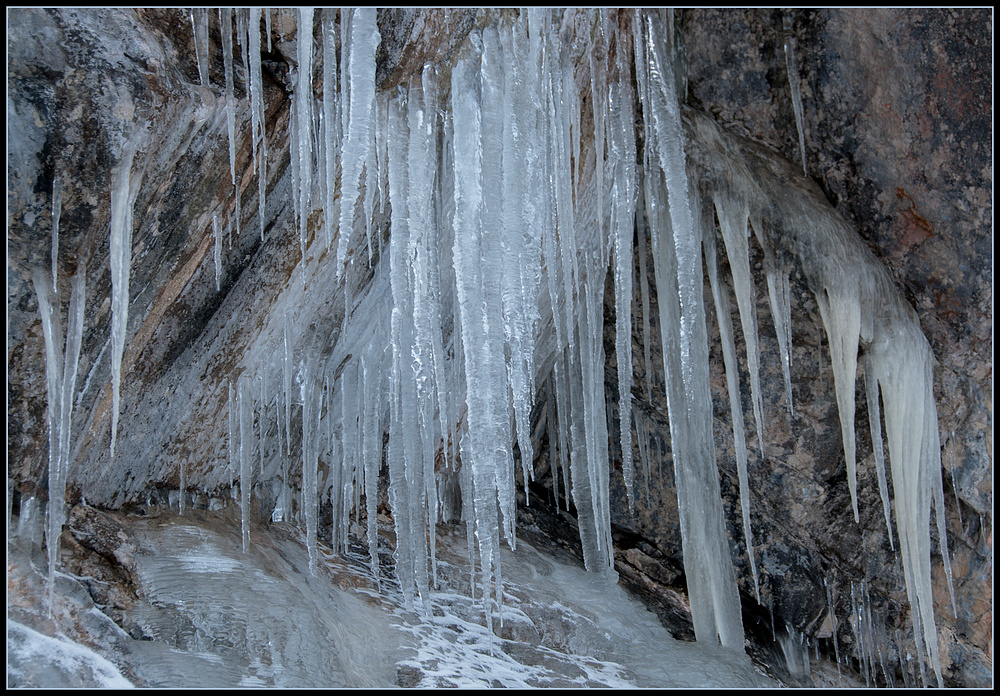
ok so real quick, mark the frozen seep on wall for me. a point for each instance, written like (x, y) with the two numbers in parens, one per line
(512, 180)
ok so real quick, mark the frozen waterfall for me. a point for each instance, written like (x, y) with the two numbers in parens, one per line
(514, 184)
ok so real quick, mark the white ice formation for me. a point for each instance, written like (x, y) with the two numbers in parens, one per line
(514, 182)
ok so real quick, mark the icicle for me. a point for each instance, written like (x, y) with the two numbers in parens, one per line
(229, 442)
(875, 424)
(360, 82)
(481, 451)
(123, 193)
(56, 213)
(644, 292)
(303, 96)
(780, 303)
(199, 28)
(267, 26)
(793, 83)
(954, 484)
(257, 114)
(508, 101)
(183, 485)
(724, 318)
(216, 233)
(372, 460)
(286, 371)
(226, 29)
(404, 490)
(833, 621)
(246, 431)
(712, 587)
(331, 133)
(840, 309)
(937, 490)
(623, 207)
(310, 495)
(60, 372)
(733, 215)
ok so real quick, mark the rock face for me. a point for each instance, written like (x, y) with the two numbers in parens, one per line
(897, 134)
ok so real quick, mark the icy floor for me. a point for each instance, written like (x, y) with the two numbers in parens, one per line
(562, 627)
(213, 617)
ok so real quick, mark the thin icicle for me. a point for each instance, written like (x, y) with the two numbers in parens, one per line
(303, 96)
(875, 424)
(217, 235)
(258, 133)
(331, 134)
(246, 478)
(123, 193)
(779, 300)
(267, 26)
(286, 373)
(56, 213)
(644, 293)
(310, 494)
(199, 28)
(372, 458)
(791, 65)
(623, 207)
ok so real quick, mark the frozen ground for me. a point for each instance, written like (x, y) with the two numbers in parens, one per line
(210, 616)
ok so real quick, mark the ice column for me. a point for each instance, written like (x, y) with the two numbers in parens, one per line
(715, 605)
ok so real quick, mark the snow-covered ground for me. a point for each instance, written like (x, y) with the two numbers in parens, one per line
(210, 616)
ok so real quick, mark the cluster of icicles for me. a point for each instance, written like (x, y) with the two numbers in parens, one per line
(510, 198)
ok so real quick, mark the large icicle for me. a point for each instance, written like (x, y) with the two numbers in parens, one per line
(733, 215)
(724, 317)
(840, 309)
(360, 97)
(715, 605)
(123, 193)
(623, 215)
(404, 442)
(481, 453)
